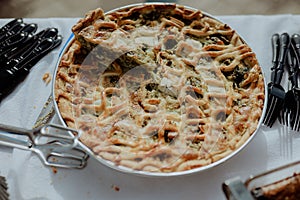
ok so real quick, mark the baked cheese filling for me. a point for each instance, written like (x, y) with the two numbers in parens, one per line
(159, 88)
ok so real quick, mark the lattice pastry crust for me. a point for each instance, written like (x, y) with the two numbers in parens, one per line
(159, 88)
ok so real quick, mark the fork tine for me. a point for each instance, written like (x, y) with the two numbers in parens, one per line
(273, 110)
(296, 126)
(269, 112)
(282, 116)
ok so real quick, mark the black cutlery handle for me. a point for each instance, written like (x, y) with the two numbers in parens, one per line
(296, 43)
(14, 30)
(292, 65)
(284, 47)
(33, 56)
(10, 81)
(275, 54)
(48, 33)
(9, 25)
(13, 41)
(275, 48)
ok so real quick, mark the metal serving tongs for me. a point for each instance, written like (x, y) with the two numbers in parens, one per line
(55, 145)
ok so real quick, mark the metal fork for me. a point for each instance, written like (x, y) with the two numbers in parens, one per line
(287, 113)
(295, 114)
(276, 93)
(55, 145)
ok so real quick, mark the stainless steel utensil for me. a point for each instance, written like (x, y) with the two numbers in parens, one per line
(55, 145)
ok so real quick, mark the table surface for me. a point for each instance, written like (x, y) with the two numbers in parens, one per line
(28, 178)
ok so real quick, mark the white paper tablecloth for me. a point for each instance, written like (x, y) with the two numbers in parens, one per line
(29, 179)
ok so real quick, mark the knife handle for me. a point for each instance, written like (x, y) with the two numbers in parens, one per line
(9, 82)
(14, 30)
(14, 41)
(284, 47)
(31, 58)
(9, 25)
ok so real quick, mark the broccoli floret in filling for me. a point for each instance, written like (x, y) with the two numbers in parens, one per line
(237, 75)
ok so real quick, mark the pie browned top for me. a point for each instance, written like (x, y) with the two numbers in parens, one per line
(159, 87)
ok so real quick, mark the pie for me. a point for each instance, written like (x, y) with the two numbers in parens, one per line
(159, 87)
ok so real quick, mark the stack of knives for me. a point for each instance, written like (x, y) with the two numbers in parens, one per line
(20, 49)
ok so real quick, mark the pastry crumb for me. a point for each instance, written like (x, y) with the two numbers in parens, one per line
(116, 188)
(47, 78)
(54, 170)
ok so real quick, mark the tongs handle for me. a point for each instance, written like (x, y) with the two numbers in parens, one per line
(53, 148)
(6, 139)
(37, 136)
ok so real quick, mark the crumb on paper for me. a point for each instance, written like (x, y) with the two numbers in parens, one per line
(54, 170)
(47, 78)
(116, 188)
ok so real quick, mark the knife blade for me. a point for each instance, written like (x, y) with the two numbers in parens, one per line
(46, 114)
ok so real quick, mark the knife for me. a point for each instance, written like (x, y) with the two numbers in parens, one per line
(12, 75)
(28, 45)
(46, 113)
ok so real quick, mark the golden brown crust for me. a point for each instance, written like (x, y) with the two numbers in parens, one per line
(283, 189)
(159, 87)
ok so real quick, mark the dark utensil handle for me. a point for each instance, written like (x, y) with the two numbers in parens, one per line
(9, 25)
(29, 28)
(284, 47)
(292, 65)
(275, 48)
(13, 41)
(275, 54)
(14, 30)
(8, 82)
(21, 52)
(34, 55)
(48, 33)
(296, 44)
